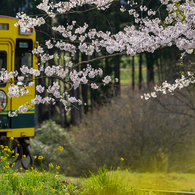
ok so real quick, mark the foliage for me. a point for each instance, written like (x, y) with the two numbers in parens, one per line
(129, 128)
(138, 131)
(32, 181)
(49, 137)
(37, 181)
(105, 183)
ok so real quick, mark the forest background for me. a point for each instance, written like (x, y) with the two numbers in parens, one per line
(115, 123)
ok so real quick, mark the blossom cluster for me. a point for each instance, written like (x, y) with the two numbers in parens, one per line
(151, 35)
(147, 34)
(166, 87)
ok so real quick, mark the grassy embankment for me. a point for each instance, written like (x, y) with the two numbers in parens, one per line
(105, 182)
(136, 181)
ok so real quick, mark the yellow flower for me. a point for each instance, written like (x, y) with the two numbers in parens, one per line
(68, 180)
(40, 157)
(40, 174)
(57, 167)
(11, 138)
(122, 159)
(24, 156)
(51, 165)
(126, 170)
(57, 172)
(118, 168)
(34, 157)
(17, 154)
(53, 190)
(1, 146)
(60, 148)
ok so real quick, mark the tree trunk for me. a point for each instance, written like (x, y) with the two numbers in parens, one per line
(117, 74)
(140, 71)
(150, 68)
(75, 93)
(133, 72)
(85, 89)
(158, 66)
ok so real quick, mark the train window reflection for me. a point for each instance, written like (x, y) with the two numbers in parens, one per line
(3, 64)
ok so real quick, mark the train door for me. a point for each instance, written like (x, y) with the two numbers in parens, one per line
(5, 102)
(23, 56)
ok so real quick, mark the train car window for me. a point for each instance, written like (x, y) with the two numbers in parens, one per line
(23, 58)
(23, 55)
(3, 64)
(4, 26)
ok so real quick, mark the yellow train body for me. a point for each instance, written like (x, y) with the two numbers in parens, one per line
(15, 51)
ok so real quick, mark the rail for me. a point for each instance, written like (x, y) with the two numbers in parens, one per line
(169, 192)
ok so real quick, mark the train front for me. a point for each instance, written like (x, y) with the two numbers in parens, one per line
(16, 47)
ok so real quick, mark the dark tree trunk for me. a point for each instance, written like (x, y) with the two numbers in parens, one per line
(50, 83)
(161, 68)
(85, 89)
(133, 72)
(150, 68)
(158, 66)
(59, 104)
(50, 63)
(140, 71)
(75, 93)
(117, 74)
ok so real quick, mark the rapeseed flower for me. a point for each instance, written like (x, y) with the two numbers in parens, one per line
(40, 157)
(57, 167)
(60, 148)
(50, 165)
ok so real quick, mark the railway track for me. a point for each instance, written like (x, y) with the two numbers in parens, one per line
(168, 192)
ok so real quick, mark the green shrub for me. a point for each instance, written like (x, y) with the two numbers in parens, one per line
(49, 137)
(130, 128)
(72, 160)
(140, 132)
(105, 183)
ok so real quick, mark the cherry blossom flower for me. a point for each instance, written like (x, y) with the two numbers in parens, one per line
(152, 34)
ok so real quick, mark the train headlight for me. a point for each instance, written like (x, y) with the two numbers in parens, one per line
(3, 100)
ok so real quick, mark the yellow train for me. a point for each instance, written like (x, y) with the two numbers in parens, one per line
(16, 47)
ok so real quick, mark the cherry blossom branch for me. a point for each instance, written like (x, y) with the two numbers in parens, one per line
(99, 58)
(84, 11)
(147, 35)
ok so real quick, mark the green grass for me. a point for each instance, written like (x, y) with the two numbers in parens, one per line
(105, 182)
(159, 181)
(122, 182)
(33, 181)
(108, 183)
(126, 75)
